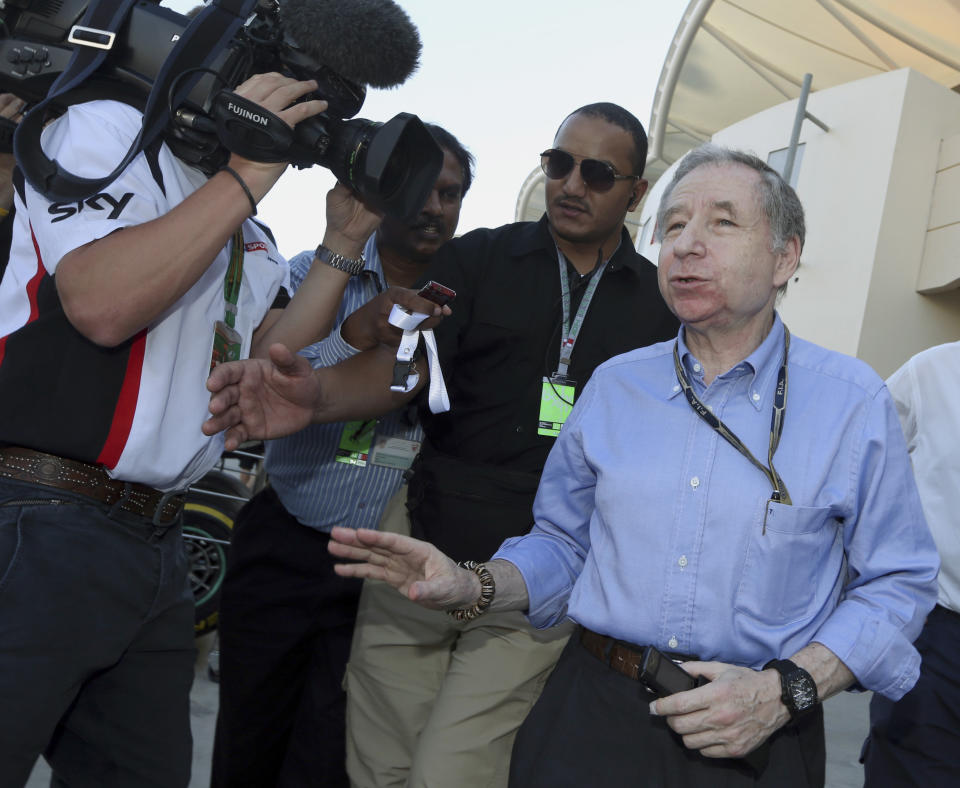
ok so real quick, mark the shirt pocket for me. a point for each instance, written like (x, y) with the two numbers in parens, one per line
(783, 562)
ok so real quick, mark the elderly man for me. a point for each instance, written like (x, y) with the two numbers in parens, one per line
(738, 500)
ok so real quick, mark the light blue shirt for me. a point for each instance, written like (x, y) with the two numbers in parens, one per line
(312, 486)
(650, 526)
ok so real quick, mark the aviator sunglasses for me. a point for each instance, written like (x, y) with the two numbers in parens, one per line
(598, 175)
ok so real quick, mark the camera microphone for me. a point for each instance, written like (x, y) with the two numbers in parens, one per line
(372, 42)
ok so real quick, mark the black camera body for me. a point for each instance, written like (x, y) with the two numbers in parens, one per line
(392, 165)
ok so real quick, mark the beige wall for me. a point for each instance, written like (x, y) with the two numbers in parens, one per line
(867, 187)
(939, 270)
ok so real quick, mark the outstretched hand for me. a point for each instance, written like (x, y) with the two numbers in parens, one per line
(416, 569)
(261, 398)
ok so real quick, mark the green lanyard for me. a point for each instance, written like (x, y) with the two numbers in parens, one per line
(233, 279)
(571, 331)
(779, 493)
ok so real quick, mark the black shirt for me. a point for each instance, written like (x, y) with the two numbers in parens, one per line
(504, 336)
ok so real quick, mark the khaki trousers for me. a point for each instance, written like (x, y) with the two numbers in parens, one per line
(434, 703)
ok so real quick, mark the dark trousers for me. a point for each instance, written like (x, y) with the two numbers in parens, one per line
(916, 741)
(96, 643)
(286, 621)
(592, 726)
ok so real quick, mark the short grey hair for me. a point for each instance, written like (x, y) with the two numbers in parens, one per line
(779, 201)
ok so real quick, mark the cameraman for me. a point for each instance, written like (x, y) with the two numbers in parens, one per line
(108, 314)
(286, 619)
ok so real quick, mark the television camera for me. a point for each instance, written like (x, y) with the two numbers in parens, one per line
(392, 165)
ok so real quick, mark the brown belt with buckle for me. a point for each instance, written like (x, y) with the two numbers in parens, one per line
(91, 481)
(623, 657)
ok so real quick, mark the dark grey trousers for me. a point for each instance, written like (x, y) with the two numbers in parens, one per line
(592, 726)
(96, 644)
(916, 741)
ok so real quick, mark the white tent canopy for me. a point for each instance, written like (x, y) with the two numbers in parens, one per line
(731, 59)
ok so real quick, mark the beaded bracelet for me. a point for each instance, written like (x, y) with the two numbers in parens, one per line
(487, 590)
(243, 185)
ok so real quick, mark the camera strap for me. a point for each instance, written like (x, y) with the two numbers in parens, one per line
(249, 130)
(201, 41)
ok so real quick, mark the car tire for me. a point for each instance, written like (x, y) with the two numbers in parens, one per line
(207, 527)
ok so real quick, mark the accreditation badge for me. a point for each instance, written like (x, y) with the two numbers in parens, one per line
(227, 343)
(355, 442)
(556, 402)
(394, 452)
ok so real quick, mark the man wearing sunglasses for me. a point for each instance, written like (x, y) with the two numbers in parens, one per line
(433, 700)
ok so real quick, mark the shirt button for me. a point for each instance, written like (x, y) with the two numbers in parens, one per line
(756, 397)
(697, 367)
(695, 482)
(673, 642)
(677, 387)
(682, 560)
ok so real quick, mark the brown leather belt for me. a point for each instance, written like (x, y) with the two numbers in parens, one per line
(623, 657)
(92, 481)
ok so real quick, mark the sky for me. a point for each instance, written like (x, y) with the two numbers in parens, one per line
(500, 75)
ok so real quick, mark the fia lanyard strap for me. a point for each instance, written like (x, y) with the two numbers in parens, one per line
(405, 376)
(780, 493)
(233, 279)
(571, 331)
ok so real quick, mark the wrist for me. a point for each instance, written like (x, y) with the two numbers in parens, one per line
(343, 244)
(479, 592)
(259, 177)
(358, 340)
(798, 691)
(340, 260)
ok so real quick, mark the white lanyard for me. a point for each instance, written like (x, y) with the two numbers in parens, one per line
(404, 376)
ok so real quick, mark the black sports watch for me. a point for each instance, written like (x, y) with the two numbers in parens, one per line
(798, 691)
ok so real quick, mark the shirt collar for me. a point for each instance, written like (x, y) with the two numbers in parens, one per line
(761, 365)
(537, 236)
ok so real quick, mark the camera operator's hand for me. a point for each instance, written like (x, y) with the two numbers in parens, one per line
(277, 94)
(349, 222)
(369, 326)
(309, 316)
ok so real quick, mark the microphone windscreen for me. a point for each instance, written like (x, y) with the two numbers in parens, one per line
(372, 42)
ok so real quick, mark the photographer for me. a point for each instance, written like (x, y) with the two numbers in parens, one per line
(286, 619)
(108, 315)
